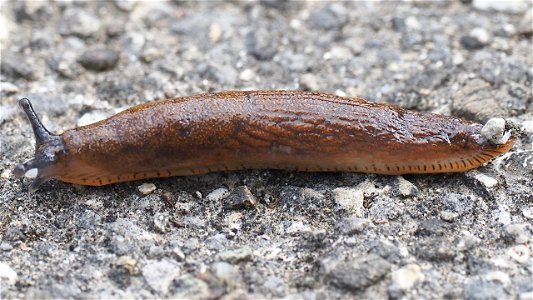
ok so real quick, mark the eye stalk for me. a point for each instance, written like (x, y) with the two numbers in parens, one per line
(48, 148)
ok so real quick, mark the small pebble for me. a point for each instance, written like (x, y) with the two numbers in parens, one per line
(236, 255)
(150, 54)
(8, 88)
(247, 75)
(493, 131)
(161, 222)
(406, 188)
(215, 33)
(239, 198)
(448, 216)
(352, 225)
(487, 181)
(360, 273)
(519, 233)
(227, 274)
(217, 194)
(498, 276)
(78, 22)
(328, 17)
(129, 264)
(276, 286)
(527, 212)
(406, 278)
(526, 24)
(350, 199)
(519, 253)
(99, 59)
(481, 289)
(7, 274)
(477, 38)
(125, 5)
(4, 246)
(309, 82)
(160, 274)
(146, 188)
(514, 6)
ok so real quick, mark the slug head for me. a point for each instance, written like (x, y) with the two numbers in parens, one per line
(49, 149)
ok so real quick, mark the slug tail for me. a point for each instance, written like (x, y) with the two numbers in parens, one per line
(49, 148)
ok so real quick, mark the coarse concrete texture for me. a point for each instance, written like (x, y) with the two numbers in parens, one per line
(260, 233)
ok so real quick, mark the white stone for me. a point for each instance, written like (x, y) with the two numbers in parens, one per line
(8, 87)
(247, 75)
(481, 35)
(297, 227)
(90, 117)
(498, 276)
(527, 212)
(512, 6)
(486, 180)
(406, 277)
(159, 275)
(146, 188)
(218, 194)
(519, 253)
(406, 188)
(493, 131)
(7, 274)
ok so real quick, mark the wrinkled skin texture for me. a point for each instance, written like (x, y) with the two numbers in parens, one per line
(291, 130)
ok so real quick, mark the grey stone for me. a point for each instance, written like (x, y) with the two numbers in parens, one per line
(517, 6)
(479, 289)
(78, 22)
(352, 225)
(240, 197)
(236, 255)
(261, 44)
(16, 66)
(125, 5)
(351, 199)
(518, 233)
(275, 286)
(385, 249)
(99, 59)
(457, 203)
(160, 274)
(384, 209)
(161, 221)
(4, 246)
(88, 219)
(227, 274)
(405, 279)
(216, 242)
(406, 188)
(435, 249)
(360, 273)
(328, 17)
(309, 82)
(8, 88)
(189, 287)
(7, 274)
(120, 245)
(525, 27)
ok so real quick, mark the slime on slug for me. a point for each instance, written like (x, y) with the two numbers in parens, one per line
(289, 130)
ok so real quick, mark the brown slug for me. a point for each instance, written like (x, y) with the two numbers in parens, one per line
(290, 130)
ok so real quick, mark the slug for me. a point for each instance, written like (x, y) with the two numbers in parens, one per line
(290, 130)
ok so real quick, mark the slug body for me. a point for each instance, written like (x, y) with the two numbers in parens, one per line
(292, 130)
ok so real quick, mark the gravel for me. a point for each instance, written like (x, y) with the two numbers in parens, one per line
(264, 233)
